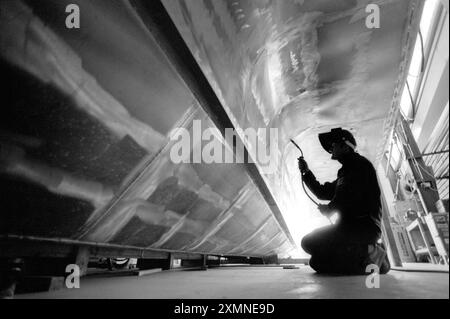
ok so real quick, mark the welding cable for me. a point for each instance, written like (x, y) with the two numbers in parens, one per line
(306, 192)
(310, 197)
(303, 182)
(301, 174)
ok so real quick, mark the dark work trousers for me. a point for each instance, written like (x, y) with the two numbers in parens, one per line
(339, 249)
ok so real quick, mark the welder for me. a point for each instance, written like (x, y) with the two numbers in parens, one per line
(352, 243)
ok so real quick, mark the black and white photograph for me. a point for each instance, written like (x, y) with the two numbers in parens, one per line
(224, 155)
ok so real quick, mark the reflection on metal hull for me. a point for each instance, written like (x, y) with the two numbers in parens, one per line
(86, 156)
(91, 115)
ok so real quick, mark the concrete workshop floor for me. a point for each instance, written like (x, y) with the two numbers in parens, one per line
(256, 283)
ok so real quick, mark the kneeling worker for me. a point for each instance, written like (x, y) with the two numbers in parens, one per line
(350, 245)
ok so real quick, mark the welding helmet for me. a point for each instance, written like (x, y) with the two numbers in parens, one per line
(337, 135)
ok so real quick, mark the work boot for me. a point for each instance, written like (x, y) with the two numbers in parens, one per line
(385, 267)
(378, 256)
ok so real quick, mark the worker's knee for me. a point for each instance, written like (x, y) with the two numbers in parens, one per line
(319, 240)
(318, 265)
(307, 244)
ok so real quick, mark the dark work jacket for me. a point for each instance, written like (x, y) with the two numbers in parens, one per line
(355, 195)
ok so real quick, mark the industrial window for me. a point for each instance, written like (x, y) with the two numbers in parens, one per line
(429, 21)
(395, 156)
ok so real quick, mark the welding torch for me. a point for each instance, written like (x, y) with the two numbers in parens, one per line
(303, 182)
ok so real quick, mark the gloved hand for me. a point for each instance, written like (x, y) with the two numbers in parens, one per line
(325, 210)
(302, 165)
